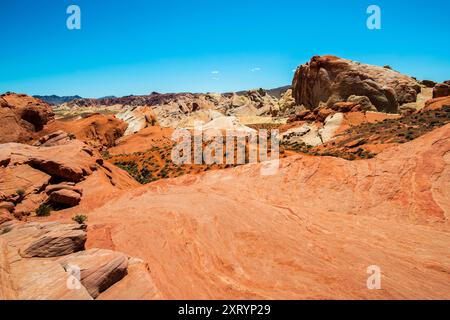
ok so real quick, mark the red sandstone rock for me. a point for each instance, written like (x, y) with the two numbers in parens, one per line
(97, 130)
(21, 116)
(332, 79)
(65, 197)
(441, 90)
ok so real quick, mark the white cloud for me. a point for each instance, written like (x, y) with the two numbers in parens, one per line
(215, 72)
(255, 69)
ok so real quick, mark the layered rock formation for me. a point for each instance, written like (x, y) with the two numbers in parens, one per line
(21, 116)
(31, 177)
(137, 118)
(168, 110)
(329, 79)
(48, 261)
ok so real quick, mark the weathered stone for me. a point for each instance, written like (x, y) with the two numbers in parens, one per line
(441, 90)
(363, 101)
(328, 76)
(63, 186)
(9, 206)
(5, 216)
(99, 268)
(29, 205)
(22, 180)
(69, 162)
(65, 197)
(428, 83)
(58, 242)
(21, 116)
(53, 139)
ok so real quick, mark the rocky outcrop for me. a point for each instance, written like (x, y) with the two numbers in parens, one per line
(48, 261)
(32, 176)
(441, 90)
(329, 79)
(169, 110)
(137, 119)
(53, 139)
(435, 104)
(21, 116)
(97, 130)
(56, 240)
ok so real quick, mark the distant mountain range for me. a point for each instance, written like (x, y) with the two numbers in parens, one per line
(56, 100)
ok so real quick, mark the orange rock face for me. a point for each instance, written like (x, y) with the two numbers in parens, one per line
(21, 116)
(310, 231)
(96, 130)
(437, 103)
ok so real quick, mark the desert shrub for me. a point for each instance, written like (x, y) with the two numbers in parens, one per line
(20, 192)
(81, 219)
(44, 210)
(106, 155)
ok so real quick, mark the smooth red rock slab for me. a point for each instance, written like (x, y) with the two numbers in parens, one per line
(22, 178)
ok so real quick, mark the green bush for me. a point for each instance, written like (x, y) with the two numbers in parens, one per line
(81, 219)
(20, 192)
(44, 210)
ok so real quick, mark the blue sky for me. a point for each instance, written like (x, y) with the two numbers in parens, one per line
(136, 47)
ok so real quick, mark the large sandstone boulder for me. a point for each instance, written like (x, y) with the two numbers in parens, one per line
(21, 116)
(441, 90)
(329, 79)
(65, 197)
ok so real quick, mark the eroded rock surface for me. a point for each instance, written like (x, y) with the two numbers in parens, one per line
(329, 79)
(308, 231)
(21, 116)
(47, 261)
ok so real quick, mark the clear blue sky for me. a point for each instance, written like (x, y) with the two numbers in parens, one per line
(136, 47)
